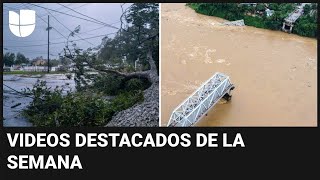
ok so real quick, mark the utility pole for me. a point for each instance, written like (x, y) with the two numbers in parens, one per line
(48, 45)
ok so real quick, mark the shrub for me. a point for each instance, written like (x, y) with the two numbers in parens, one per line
(136, 84)
(52, 108)
(254, 21)
(126, 100)
(306, 26)
(108, 84)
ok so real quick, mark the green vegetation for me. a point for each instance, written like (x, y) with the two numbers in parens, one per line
(20, 59)
(257, 17)
(114, 86)
(229, 11)
(10, 59)
(50, 108)
(53, 62)
(306, 25)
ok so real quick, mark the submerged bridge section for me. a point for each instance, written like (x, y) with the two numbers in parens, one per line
(201, 101)
(292, 18)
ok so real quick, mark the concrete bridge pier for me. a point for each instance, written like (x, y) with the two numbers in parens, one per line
(285, 25)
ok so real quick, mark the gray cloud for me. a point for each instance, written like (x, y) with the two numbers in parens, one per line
(35, 44)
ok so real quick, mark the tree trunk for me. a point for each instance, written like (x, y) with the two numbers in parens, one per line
(145, 113)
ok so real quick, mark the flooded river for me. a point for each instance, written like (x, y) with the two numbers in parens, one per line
(12, 116)
(274, 73)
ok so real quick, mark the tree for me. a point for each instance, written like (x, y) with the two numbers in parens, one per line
(252, 9)
(286, 7)
(274, 6)
(138, 37)
(314, 6)
(133, 42)
(260, 7)
(20, 59)
(234, 12)
(275, 21)
(8, 59)
(306, 25)
(53, 62)
(65, 61)
(306, 9)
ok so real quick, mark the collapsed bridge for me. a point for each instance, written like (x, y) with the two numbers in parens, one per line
(202, 100)
(289, 21)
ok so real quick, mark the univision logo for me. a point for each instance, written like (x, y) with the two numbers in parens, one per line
(22, 25)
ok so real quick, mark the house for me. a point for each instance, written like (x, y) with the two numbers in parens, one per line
(39, 61)
(249, 4)
(6, 69)
(269, 12)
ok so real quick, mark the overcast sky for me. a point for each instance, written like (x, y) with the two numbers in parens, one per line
(36, 44)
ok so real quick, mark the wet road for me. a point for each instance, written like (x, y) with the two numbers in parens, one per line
(12, 116)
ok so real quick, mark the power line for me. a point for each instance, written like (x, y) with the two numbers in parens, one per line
(106, 25)
(27, 51)
(68, 10)
(97, 28)
(47, 23)
(69, 29)
(61, 37)
(42, 15)
(65, 13)
(33, 52)
(88, 16)
(63, 42)
(61, 24)
(38, 17)
(26, 46)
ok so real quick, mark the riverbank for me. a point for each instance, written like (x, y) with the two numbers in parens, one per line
(305, 26)
(274, 73)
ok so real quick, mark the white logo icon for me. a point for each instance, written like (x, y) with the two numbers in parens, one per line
(22, 25)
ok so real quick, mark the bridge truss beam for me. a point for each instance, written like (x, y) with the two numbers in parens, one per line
(202, 100)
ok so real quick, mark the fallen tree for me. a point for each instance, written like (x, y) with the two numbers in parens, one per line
(147, 112)
(109, 91)
(141, 42)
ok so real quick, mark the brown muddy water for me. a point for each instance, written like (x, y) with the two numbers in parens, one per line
(275, 73)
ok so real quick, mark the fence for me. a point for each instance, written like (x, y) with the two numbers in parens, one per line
(30, 68)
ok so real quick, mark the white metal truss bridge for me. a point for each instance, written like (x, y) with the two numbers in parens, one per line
(201, 101)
